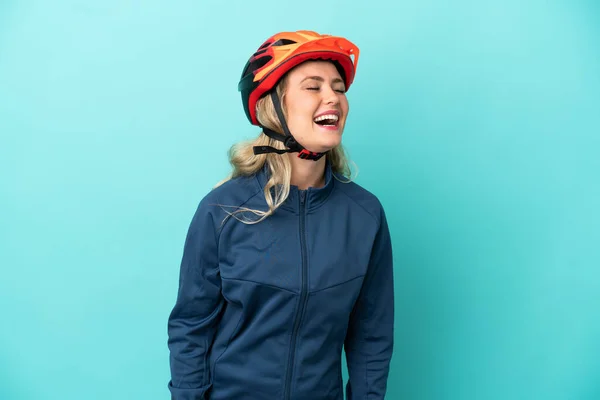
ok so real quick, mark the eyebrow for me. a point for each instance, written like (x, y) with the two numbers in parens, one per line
(320, 79)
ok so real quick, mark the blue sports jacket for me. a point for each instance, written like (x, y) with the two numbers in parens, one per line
(264, 311)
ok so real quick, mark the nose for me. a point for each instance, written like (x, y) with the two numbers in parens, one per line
(330, 96)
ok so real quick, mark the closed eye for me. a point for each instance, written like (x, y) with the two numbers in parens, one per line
(316, 88)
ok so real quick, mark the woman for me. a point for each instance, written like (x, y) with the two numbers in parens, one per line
(286, 262)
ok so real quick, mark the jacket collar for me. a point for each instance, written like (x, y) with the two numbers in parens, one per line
(314, 197)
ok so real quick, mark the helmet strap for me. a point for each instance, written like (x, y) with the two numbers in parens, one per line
(288, 140)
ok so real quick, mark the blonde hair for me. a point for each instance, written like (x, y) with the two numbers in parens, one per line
(245, 163)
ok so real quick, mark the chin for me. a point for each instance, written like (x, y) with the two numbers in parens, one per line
(324, 140)
(328, 145)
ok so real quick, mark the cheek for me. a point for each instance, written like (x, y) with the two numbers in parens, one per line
(345, 107)
(344, 103)
(302, 113)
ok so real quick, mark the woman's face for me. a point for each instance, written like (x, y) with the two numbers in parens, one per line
(316, 105)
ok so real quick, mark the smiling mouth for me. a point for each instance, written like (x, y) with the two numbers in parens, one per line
(327, 121)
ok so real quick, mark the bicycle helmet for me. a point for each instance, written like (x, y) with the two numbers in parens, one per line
(278, 55)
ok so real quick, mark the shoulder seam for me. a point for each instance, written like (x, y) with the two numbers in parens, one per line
(377, 219)
(239, 205)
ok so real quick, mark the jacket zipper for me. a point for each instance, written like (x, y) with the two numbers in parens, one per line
(303, 295)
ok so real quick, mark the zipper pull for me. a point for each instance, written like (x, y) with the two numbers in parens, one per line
(302, 196)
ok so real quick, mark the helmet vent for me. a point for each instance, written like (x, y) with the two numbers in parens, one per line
(283, 42)
(259, 63)
(265, 45)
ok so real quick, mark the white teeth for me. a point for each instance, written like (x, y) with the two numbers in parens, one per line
(330, 116)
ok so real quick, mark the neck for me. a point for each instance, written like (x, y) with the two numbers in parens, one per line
(307, 173)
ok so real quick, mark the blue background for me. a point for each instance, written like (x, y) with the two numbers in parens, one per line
(476, 124)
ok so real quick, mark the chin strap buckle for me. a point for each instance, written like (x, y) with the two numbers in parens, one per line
(309, 155)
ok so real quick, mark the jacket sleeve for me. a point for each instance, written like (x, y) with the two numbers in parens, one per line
(193, 319)
(370, 338)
